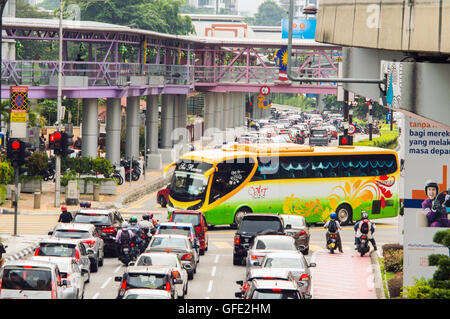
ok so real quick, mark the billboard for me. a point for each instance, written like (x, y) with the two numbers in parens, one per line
(302, 28)
(426, 151)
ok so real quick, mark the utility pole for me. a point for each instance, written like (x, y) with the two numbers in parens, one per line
(59, 108)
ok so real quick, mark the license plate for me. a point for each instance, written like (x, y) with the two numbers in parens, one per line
(125, 250)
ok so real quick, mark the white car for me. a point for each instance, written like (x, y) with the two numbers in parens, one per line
(88, 233)
(52, 249)
(72, 273)
(166, 260)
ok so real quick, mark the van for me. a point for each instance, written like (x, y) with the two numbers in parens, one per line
(31, 279)
(198, 220)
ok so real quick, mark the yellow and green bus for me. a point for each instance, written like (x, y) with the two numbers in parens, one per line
(288, 179)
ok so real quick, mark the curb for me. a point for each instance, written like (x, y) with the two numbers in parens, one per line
(377, 275)
(23, 253)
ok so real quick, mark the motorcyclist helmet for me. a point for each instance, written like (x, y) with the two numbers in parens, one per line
(63, 208)
(133, 220)
(431, 184)
(364, 215)
(147, 216)
(333, 216)
(125, 225)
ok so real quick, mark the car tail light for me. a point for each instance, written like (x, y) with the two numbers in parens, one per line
(255, 257)
(168, 287)
(91, 243)
(186, 257)
(237, 240)
(276, 289)
(77, 255)
(36, 252)
(302, 233)
(124, 285)
(304, 277)
(0, 286)
(53, 290)
(198, 230)
(109, 229)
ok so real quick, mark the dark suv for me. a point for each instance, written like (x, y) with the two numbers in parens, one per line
(107, 222)
(251, 226)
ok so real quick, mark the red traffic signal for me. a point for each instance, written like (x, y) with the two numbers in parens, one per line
(15, 145)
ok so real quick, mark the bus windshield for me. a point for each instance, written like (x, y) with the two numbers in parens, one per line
(189, 182)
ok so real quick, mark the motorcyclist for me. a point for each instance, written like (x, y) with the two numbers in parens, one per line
(147, 221)
(334, 229)
(124, 239)
(2, 251)
(360, 230)
(436, 217)
(65, 216)
(138, 232)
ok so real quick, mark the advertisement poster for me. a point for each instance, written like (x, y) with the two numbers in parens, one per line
(426, 154)
(301, 29)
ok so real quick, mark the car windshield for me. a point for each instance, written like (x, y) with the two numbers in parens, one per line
(145, 296)
(92, 219)
(27, 279)
(152, 281)
(56, 250)
(167, 242)
(283, 262)
(186, 218)
(294, 221)
(275, 294)
(69, 233)
(275, 244)
(168, 260)
(175, 230)
(189, 182)
(257, 226)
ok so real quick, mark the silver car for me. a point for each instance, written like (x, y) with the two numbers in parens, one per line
(180, 245)
(90, 237)
(53, 248)
(166, 260)
(73, 275)
(319, 137)
(297, 227)
(31, 279)
(264, 244)
(296, 263)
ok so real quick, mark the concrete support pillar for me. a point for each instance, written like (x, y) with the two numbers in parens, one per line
(182, 119)
(209, 112)
(132, 137)
(167, 113)
(90, 128)
(113, 129)
(154, 160)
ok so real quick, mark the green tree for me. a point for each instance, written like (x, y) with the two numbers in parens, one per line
(155, 15)
(270, 14)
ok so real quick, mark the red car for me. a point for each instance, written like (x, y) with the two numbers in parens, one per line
(162, 197)
(198, 220)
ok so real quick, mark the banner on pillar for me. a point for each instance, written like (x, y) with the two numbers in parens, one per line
(425, 150)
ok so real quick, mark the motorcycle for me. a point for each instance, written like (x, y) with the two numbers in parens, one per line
(363, 246)
(145, 236)
(127, 253)
(332, 243)
(116, 175)
(135, 172)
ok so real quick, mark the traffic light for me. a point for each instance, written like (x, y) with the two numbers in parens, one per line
(66, 143)
(54, 142)
(346, 140)
(17, 152)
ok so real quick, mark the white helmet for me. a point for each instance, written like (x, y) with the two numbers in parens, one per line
(125, 225)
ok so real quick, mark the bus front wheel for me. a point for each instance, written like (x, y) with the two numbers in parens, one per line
(239, 214)
(344, 214)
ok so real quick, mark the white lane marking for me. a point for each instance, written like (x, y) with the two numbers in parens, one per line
(213, 272)
(106, 283)
(210, 286)
(216, 260)
(96, 295)
(118, 268)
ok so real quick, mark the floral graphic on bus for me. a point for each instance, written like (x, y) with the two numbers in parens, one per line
(295, 206)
